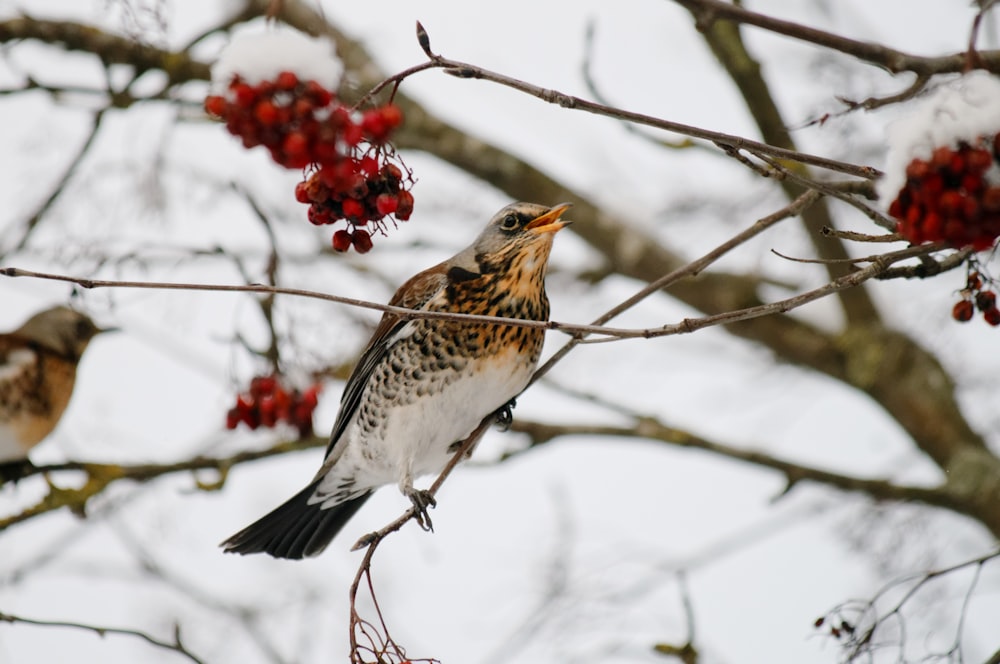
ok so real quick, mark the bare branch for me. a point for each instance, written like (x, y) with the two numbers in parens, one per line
(32, 222)
(175, 646)
(707, 12)
(652, 429)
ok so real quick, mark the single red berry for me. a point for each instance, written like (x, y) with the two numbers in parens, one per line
(339, 117)
(896, 209)
(958, 163)
(986, 300)
(262, 385)
(992, 316)
(233, 418)
(917, 169)
(243, 404)
(319, 216)
(252, 420)
(392, 116)
(971, 209)
(215, 105)
(962, 311)
(932, 185)
(950, 202)
(392, 174)
(244, 95)
(341, 240)
(353, 209)
(352, 134)
(973, 281)
(295, 144)
(932, 227)
(286, 80)
(362, 241)
(266, 408)
(319, 95)
(266, 113)
(325, 152)
(941, 157)
(979, 160)
(301, 108)
(369, 166)
(404, 205)
(972, 184)
(991, 199)
(356, 186)
(374, 125)
(302, 192)
(386, 204)
(310, 398)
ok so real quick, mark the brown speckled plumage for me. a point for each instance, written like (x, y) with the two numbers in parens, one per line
(37, 374)
(421, 385)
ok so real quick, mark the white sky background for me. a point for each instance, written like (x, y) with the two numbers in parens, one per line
(611, 520)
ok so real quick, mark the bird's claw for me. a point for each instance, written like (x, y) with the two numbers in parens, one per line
(505, 415)
(422, 500)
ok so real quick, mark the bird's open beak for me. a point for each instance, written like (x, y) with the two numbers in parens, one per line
(549, 222)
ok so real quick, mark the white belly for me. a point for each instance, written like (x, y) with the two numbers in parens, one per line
(415, 438)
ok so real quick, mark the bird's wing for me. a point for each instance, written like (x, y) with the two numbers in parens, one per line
(414, 294)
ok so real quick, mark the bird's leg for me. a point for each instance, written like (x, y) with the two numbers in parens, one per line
(505, 415)
(421, 499)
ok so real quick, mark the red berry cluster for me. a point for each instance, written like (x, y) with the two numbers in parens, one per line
(358, 190)
(949, 199)
(975, 296)
(303, 124)
(268, 402)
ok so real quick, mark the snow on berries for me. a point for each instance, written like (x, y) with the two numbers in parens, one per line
(276, 91)
(943, 167)
(268, 401)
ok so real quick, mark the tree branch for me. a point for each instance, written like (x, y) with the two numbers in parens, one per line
(648, 428)
(708, 12)
(174, 646)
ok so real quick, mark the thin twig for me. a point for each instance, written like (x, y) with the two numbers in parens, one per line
(174, 646)
(691, 269)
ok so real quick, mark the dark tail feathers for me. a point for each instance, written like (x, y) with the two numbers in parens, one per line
(294, 529)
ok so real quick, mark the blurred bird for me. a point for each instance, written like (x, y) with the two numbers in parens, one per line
(37, 372)
(423, 385)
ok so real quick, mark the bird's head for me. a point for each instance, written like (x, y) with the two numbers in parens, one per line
(522, 230)
(62, 330)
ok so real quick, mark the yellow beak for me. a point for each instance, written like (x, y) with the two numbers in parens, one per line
(549, 222)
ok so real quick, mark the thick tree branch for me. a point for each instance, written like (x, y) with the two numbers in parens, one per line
(708, 12)
(111, 49)
(100, 476)
(648, 428)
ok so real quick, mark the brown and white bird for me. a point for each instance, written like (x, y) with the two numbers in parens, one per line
(37, 373)
(423, 385)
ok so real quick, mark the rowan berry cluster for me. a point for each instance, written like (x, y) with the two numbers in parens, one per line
(950, 197)
(977, 295)
(268, 401)
(353, 173)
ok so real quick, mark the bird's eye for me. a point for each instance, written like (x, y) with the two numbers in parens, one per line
(509, 223)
